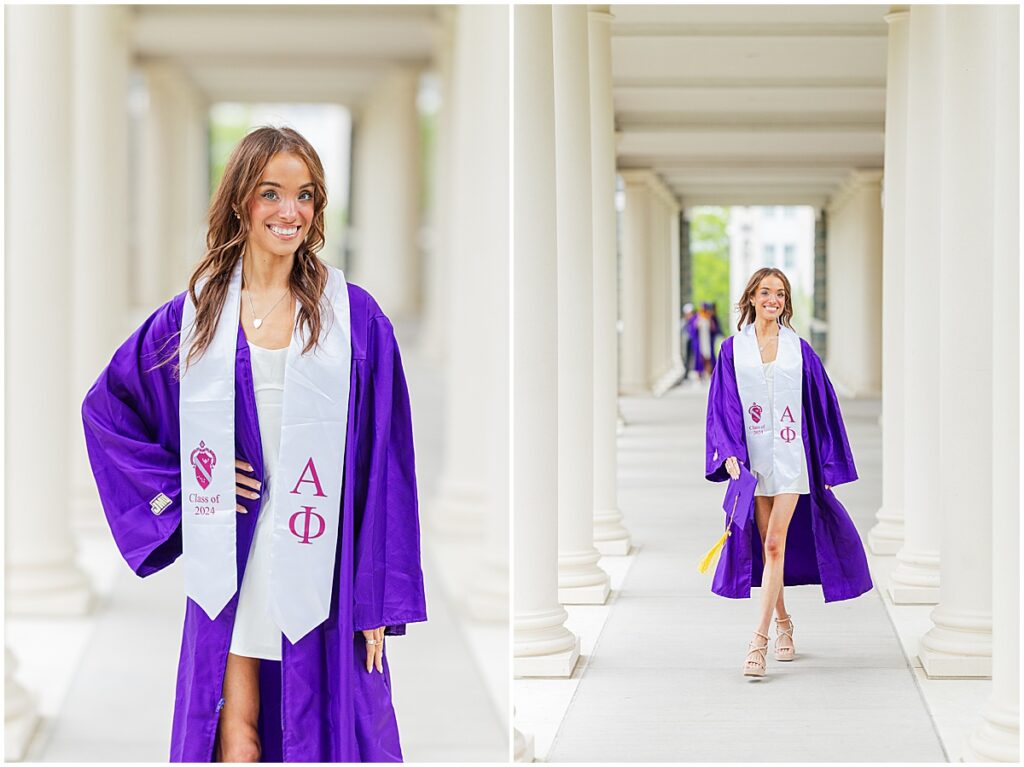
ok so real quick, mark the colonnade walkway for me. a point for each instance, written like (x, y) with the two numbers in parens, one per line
(664, 681)
(445, 701)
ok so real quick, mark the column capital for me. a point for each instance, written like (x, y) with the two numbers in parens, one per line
(858, 181)
(650, 179)
(897, 13)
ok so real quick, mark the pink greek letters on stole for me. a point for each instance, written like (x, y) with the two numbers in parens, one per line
(787, 434)
(307, 512)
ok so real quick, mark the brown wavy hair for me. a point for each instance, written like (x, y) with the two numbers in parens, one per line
(229, 228)
(746, 306)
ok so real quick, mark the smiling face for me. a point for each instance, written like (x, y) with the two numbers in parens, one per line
(769, 298)
(281, 209)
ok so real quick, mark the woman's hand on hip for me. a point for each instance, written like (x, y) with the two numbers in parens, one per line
(374, 649)
(245, 487)
(732, 466)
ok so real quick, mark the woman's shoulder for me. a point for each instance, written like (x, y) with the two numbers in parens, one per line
(368, 321)
(166, 318)
(362, 304)
(364, 309)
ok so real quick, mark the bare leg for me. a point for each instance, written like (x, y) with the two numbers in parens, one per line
(763, 510)
(773, 516)
(783, 641)
(237, 734)
(774, 555)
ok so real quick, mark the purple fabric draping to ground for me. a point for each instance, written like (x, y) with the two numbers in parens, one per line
(823, 545)
(319, 703)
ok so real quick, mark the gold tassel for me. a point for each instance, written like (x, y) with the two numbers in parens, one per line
(712, 556)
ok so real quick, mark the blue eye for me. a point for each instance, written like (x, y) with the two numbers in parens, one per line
(307, 195)
(270, 194)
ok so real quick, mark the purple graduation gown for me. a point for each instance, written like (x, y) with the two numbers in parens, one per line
(822, 545)
(698, 357)
(318, 704)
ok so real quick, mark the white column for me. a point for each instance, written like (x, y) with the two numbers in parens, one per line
(915, 580)
(580, 580)
(655, 288)
(42, 576)
(673, 348)
(610, 535)
(20, 717)
(657, 260)
(959, 644)
(997, 738)
(385, 209)
(489, 595)
(100, 51)
(543, 645)
(854, 284)
(636, 249)
(437, 259)
(665, 367)
(886, 536)
(173, 181)
(479, 211)
(523, 745)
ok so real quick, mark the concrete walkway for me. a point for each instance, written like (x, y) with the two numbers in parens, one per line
(105, 683)
(664, 681)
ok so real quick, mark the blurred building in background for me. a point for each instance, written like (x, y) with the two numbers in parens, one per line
(119, 121)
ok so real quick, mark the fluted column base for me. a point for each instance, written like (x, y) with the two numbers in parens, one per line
(524, 747)
(611, 538)
(886, 537)
(544, 646)
(580, 580)
(915, 581)
(959, 645)
(997, 738)
(53, 589)
(20, 718)
(667, 380)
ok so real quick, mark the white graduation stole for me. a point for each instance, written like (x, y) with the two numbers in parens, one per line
(773, 433)
(306, 505)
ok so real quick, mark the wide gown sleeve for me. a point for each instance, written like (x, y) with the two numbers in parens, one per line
(724, 435)
(130, 417)
(837, 466)
(388, 576)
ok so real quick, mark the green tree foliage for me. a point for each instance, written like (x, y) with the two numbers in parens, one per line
(709, 246)
(227, 128)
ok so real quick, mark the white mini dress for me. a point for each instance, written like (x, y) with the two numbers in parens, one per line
(767, 485)
(255, 634)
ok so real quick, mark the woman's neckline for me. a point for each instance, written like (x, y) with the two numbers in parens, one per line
(264, 348)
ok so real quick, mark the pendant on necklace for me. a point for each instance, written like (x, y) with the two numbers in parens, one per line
(257, 322)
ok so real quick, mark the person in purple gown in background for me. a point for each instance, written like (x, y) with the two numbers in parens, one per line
(772, 408)
(703, 328)
(687, 343)
(247, 689)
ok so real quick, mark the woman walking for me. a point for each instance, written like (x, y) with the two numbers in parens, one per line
(772, 409)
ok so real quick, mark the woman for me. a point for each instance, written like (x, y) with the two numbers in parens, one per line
(704, 330)
(772, 409)
(259, 424)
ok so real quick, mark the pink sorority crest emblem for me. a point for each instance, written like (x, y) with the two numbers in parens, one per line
(203, 460)
(755, 412)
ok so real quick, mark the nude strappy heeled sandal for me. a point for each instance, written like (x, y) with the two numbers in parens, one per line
(755, 664)
(784, 653)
